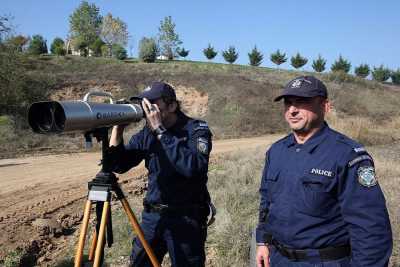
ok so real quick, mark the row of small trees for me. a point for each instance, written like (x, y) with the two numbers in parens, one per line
(148, 52)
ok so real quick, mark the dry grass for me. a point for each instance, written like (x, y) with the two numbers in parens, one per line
(233, 183)
(388, 171)
(367, 131)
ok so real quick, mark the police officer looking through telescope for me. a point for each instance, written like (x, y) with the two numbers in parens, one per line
(176, 151)
(321, 204)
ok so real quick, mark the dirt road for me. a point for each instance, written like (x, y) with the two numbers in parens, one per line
(42, 197)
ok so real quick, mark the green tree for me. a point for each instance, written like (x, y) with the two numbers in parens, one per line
(57, 47)
(148, 50)
(395, 75)
(298, 61)
(119, 52)
(18, 43)
(105, 50)
(182, 52)
(278, 58)
(341, 64)
(96, 48)
(168, 38)
(82, 46)
(319, 64)
(114, 31)
(381, 74)
(37, 45)
(362, 70)
(230, 55)
(85, 25)
(255, 57)
(209, 52)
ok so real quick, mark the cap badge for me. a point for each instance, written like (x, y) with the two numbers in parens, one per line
(296, 83)
(147, 89)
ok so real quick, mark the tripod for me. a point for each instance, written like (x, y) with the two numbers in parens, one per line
(100, 191)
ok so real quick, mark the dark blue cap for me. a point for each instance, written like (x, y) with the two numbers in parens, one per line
(304, 86)
(157, 90)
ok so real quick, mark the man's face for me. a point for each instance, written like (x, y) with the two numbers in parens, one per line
(305, 113)
(165, 110)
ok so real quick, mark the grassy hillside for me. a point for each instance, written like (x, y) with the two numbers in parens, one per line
(239, 98)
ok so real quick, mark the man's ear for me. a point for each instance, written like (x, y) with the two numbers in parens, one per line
(327, 106)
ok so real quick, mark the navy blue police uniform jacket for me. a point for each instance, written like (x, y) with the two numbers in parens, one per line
(177, 164)
(324, 193)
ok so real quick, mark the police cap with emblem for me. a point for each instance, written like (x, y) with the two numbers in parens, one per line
(157, 90)
(304, 86)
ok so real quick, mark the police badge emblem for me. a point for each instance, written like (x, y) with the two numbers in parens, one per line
(202, 145)
(366, 176)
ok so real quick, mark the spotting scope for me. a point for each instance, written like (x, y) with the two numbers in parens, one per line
(49, 117)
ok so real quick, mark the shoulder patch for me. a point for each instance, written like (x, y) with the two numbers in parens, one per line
(366, 176)
(202, 145)
(359, 159)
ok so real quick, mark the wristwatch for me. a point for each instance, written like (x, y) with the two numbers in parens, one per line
(159, 131)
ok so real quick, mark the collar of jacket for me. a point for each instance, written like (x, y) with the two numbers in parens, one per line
(313, 142)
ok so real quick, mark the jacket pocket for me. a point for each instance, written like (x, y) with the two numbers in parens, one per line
(315, 197)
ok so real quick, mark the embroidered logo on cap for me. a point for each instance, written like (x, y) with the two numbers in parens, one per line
(296, 83)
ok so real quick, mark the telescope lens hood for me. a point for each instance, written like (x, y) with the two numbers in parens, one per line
(46, 117)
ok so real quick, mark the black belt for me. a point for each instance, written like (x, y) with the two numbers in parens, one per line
(177, 210)
(325, 254)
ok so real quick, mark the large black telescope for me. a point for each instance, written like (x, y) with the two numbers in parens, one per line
(71, 116)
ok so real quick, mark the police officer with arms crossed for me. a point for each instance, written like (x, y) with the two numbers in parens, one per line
(321, 204)
(176, 152)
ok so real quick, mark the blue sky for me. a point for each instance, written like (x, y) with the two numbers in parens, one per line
(362, 31)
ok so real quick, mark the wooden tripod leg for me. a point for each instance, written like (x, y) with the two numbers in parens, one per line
(101, 235)
(139, 232)
(93, 246)
(82, 236)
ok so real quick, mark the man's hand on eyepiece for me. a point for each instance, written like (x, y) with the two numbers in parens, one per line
(153, 114)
